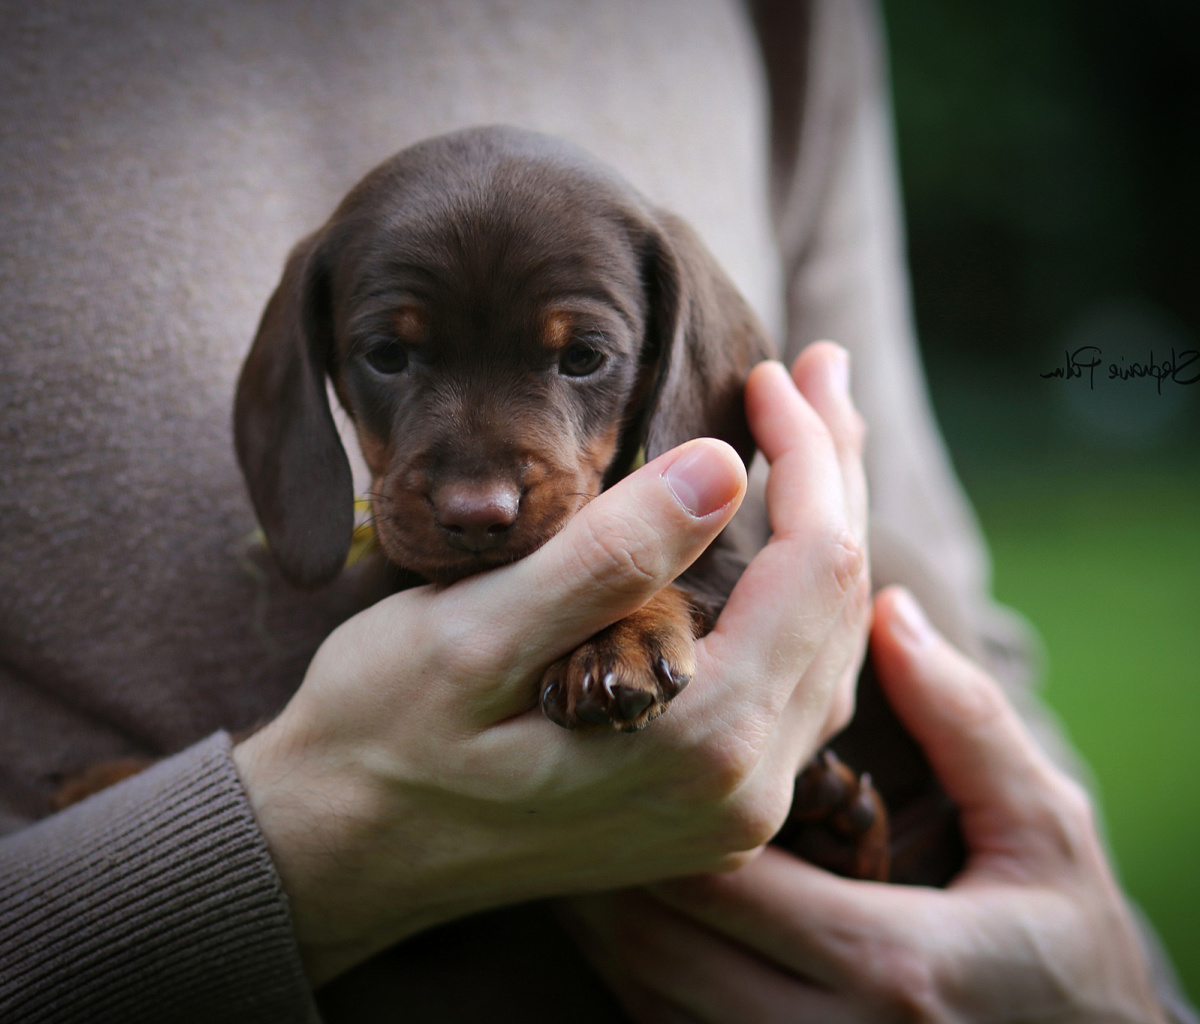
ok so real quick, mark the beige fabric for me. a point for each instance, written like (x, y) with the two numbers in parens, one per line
(158, 161)
(841, 244)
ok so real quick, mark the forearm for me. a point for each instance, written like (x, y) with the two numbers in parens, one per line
(153, 900)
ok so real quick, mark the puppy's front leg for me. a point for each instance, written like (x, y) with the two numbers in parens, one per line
(625, 675)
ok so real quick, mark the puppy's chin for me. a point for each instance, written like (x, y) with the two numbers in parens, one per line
(447, 565)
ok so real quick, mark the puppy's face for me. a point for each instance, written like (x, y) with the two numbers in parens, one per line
(489, 349)
(506, 323)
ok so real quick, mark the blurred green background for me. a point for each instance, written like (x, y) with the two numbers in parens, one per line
(1050, 158)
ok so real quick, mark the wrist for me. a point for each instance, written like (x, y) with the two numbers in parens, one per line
(315, 812)
(366, 855)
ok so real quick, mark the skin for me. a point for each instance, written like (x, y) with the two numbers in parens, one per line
(412, 779)
(1034, 929)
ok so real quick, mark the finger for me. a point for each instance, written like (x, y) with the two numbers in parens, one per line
(822, 373)
(612, 556)
(791, 435)
(670, 968)
(837, 665)
(982, 753)
(832, 930)
(791, 593)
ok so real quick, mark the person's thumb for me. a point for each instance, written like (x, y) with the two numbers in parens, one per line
(619, 550)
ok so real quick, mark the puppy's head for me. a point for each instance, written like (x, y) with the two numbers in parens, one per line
(506, 324)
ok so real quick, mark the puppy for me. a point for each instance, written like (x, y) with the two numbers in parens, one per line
(509, 327)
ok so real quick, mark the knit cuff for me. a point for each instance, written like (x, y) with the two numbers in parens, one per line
(153, 900)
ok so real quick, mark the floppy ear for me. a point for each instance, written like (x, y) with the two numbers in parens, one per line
(287, 444)
(704, 338)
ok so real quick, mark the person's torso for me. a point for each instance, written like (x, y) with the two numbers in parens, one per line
(157, 162)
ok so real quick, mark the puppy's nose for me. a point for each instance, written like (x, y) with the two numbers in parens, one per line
(476, 514)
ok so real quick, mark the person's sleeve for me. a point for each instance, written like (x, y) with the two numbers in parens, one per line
(154, 900)
(841, 239)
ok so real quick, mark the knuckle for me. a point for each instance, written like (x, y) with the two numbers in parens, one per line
(977, 708)
(1076, 803)
(730, 862)
(726, 767)
(903, 983)
(747, 808)
(861, 598)
(467, 647)
(616, 558)
(847, 559)
(1067, 819)
(751, 823)
(753, 816)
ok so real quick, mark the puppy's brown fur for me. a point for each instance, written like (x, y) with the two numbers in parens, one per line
(507, 324)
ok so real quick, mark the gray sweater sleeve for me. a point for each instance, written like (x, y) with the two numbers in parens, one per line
(153, 900)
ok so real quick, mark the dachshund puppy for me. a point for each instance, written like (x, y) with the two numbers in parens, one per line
(509, 327)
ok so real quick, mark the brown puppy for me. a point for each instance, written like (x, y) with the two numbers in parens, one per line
(508, 325)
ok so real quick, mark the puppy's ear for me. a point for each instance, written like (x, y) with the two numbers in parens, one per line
(703, 341)
(288, 446)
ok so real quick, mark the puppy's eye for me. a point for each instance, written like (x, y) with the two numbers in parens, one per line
(579, 360)
(390, 358)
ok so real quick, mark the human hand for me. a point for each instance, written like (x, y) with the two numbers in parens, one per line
(412, 779)
(1034, 928)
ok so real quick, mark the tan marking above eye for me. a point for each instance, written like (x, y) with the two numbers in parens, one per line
(558, 328)
(410, 323)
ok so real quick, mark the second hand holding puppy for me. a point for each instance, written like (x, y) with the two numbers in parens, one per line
(1033, 929)
(411, 780)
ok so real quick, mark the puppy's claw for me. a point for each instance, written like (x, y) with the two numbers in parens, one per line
(553, 706)
(822, 788)
(861, 813)
(672, 684)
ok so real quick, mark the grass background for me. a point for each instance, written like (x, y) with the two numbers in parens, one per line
(1107, 566)
(1050, 155)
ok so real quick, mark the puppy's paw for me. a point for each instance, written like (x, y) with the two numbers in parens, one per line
(838, 821)
(624, 676)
